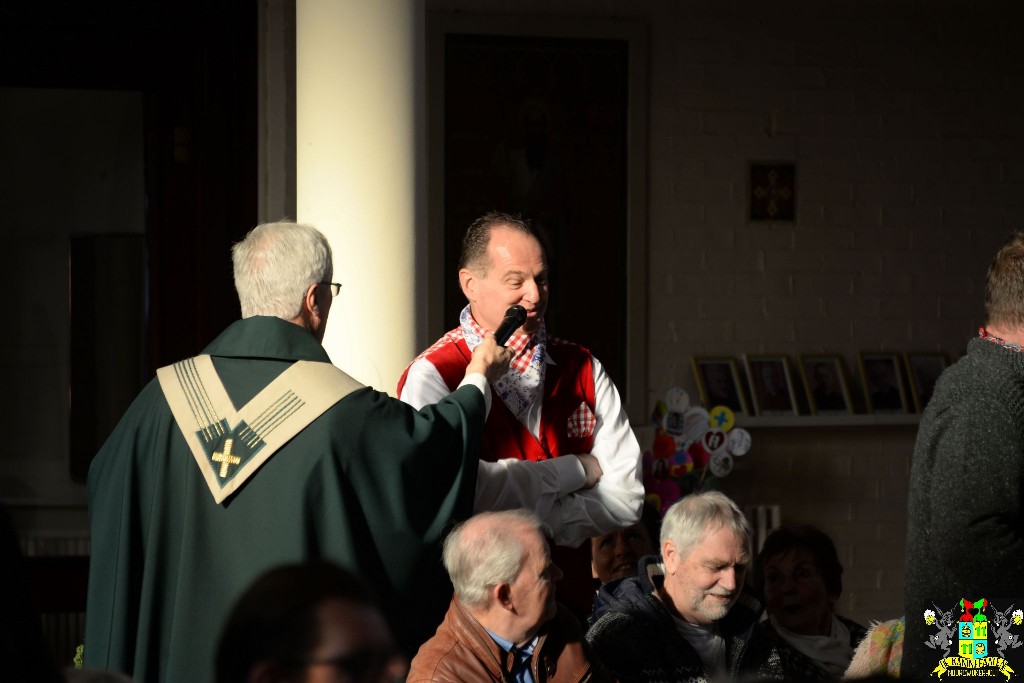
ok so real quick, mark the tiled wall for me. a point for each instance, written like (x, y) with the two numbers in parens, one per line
(906, 122)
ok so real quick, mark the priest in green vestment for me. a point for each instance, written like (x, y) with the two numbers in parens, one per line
(258, 453)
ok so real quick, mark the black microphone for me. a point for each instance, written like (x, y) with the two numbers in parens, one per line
(514, 319)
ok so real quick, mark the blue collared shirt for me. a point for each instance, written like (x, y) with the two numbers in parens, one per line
(521, 656)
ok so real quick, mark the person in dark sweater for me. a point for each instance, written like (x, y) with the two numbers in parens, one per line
(965, 529)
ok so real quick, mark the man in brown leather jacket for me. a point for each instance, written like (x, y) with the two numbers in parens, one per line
(503, 623)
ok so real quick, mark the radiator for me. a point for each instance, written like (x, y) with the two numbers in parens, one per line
(55, 546)
(63, 629)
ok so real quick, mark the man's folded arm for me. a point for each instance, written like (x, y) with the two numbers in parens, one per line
(510, 482)
(554, 488)
(618, 498)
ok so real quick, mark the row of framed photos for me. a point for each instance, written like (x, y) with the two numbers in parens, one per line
(892, 383)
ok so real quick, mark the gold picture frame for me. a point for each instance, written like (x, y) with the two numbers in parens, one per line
(771, 384)
(718, 381)
(824, 379)
(882, 379)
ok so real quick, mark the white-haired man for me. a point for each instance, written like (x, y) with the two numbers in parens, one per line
(685, 616)
(503, 623)
(259, 452)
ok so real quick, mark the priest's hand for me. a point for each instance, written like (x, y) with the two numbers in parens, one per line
(489, 359)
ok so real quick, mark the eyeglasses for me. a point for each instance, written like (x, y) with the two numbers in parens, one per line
(335, 287)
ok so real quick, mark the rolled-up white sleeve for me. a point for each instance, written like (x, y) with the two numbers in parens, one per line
(423, 385)
(618, 498)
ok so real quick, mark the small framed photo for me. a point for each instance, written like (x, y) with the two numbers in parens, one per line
(883, 387)
(923, 370)
(824, 378)
(718, 381)
(771, 385)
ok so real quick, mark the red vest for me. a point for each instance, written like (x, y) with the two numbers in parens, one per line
(567, 383)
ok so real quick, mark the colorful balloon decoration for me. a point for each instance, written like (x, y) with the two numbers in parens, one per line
(692, 448)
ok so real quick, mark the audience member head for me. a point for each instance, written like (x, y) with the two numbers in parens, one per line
(616, 554)
(799, 573)
(307, 622)
(500, 566)
(503, 264)
(704, 541)
(284, 270)
(1004, 289)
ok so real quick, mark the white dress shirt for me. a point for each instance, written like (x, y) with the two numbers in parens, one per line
(551, 487)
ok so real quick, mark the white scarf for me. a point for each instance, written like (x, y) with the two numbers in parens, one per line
(832, 652)
(521, 385)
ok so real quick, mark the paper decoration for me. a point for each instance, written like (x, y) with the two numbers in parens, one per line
(692, 448)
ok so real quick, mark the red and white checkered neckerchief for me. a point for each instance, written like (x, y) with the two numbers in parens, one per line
(522, 384)
(522, 347)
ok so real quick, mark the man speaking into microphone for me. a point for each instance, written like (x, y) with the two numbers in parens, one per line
(557, 425)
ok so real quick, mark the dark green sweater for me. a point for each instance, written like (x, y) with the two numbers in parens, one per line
(965, 534)
(371, 484)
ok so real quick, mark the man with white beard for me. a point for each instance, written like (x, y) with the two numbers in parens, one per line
(686, 616)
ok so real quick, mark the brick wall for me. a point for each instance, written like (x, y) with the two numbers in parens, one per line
(849, 481)
(906, 122)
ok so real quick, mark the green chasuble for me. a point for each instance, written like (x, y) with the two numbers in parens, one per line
(371, 484)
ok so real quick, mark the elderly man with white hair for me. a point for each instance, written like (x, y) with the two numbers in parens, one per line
(259, 452)
(503, 623)
(686, 616)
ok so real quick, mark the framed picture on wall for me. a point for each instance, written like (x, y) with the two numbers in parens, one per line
(824, 378)
(771, 384)
(923, 370)
(883, 387)
(718, 381)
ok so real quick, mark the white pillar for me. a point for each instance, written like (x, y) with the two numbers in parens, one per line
(359, 161)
